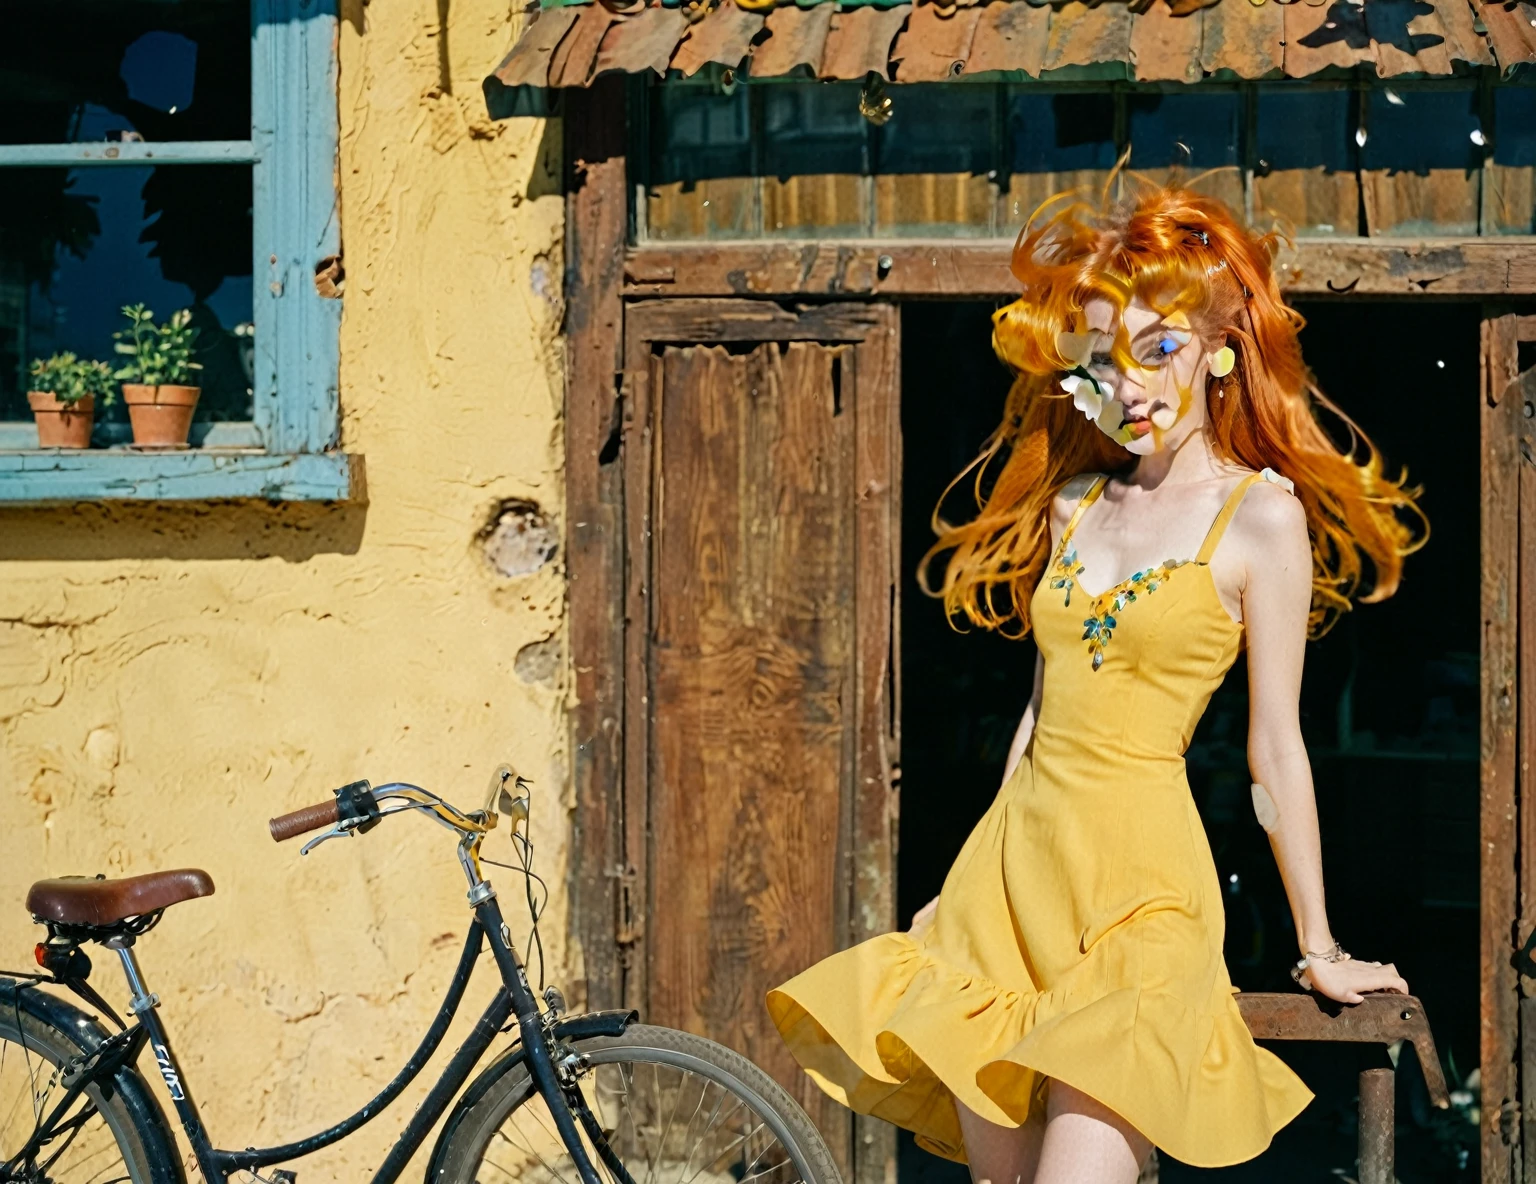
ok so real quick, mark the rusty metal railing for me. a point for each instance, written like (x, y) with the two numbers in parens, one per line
(1380, 1019)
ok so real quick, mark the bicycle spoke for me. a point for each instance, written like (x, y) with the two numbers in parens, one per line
(719, 1155)
(657, 1121)
(24, 1091)
(78, 1146)
(759, 1175)
(749, 1174)
(73, 1126)
(96, 1179)
(645, 1145)
(488, 1162)
(534, 1151)
(708, 1123)
(729, 1149)
(662, 1149)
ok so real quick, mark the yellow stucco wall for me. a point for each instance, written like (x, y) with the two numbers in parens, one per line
(170, 676)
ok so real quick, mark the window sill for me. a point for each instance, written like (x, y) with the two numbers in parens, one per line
(40, 476)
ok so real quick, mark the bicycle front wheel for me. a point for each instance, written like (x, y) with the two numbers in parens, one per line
(673, 1108)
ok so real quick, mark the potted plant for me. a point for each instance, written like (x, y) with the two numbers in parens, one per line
(158, 378)
(63, 394)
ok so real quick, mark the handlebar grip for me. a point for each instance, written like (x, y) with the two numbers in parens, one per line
(287, 826)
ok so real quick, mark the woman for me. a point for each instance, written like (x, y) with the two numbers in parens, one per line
(1063, 1006)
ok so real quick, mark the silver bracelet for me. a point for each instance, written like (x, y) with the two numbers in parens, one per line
(1334, 953)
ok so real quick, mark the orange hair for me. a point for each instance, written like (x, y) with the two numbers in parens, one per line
(1176, 251)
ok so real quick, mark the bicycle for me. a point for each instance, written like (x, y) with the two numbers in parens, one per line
(596, 1098)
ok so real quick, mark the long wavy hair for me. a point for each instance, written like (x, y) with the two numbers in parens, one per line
(1176, 251)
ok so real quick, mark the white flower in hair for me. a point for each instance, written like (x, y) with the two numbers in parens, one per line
(1087, 397)
(1089, 394)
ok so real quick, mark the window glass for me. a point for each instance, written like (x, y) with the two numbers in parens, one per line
(813, 129)
(938, 128)
(815, 158)
(1512, 198)
(701, 168)
(936, 161)
(1421, 159)
(699, 133)
(1305, 174)
(100, 238)
(1056, 143)
(83, 70)
(77, 244)
(1421, 129)
(1178, 135)
(796, 159)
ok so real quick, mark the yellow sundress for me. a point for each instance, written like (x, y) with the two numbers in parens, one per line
(1079, 933)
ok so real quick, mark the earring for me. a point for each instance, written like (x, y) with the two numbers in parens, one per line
(1222, 362)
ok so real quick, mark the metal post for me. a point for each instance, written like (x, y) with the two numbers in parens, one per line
(1377, 1120)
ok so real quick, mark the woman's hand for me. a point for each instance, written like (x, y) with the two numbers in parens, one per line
(1346, 981)
(923, 918)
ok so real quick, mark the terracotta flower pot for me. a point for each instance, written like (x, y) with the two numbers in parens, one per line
(60, 424)
(161, 415)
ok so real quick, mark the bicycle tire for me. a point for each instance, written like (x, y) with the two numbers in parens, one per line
(25, 1041)
(464, 1157)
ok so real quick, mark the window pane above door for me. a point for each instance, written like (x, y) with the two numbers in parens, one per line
(799, 159)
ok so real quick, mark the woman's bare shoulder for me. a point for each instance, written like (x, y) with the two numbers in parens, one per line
(1069, 495)
(1271, 525)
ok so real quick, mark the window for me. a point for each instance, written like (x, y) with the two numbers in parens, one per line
(182, 155)
(786, 158)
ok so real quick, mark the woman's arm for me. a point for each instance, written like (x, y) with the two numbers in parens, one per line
(1276, 597)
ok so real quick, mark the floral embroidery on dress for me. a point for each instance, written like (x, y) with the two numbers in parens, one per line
(1099, 628)
(1069, 569)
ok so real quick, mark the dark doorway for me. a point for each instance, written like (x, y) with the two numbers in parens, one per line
(1389, 709)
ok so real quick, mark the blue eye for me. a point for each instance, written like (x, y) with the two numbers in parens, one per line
(1167, 345)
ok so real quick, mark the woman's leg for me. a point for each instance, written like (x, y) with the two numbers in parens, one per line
(1087, 1143)
(1001, 1154)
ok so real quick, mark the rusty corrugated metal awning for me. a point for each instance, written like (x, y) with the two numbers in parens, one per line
(1157, 41)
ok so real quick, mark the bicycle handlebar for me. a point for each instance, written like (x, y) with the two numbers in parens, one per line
(288, 826)
(356, 810)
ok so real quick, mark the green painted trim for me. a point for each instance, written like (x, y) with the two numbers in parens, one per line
(58, 475)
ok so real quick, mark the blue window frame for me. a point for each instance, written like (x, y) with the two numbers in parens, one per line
(288, 449)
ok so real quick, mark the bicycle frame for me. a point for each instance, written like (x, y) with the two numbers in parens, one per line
(539, 1032)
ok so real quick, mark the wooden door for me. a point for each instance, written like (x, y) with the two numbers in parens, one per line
(760, 719)
(1508, 748)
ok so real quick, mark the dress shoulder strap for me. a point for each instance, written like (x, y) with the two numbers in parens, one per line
(1224, 519)
(1083, 503)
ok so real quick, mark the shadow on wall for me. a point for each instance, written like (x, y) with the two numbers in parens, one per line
(201, 530)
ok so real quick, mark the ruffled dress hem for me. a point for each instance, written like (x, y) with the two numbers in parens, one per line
(888, 1030)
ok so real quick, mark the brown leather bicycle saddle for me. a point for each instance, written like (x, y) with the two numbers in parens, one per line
(81, 900)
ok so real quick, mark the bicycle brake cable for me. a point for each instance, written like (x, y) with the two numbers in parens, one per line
(524, 866)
